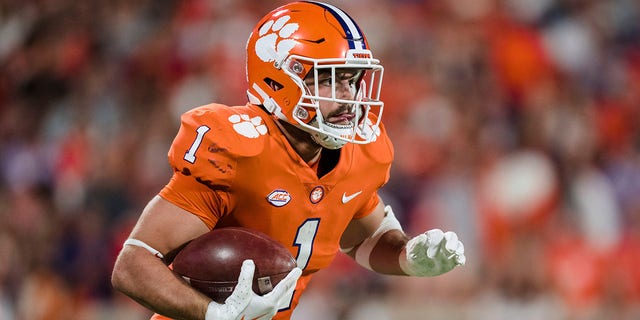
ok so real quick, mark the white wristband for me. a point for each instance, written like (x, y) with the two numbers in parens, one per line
(138, 243)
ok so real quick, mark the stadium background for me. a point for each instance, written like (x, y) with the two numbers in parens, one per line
(516, 124)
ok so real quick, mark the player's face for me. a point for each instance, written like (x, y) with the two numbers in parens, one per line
(345, 84)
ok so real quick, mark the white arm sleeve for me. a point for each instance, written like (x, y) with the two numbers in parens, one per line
(389, 222)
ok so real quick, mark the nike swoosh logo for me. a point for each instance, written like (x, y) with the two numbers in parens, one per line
(346, 198)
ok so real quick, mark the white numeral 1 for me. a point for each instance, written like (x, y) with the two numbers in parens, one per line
(190, 155)
(304, 241)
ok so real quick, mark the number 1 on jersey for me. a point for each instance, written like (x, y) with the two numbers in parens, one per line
(190, 155)
(304, 241)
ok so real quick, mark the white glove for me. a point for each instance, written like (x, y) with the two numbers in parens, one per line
(432, 253)
(243, 303)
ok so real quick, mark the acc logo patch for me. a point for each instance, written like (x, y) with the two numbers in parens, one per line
(279, 198)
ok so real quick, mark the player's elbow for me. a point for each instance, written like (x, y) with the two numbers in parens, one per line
(118, 277)
(121, 276)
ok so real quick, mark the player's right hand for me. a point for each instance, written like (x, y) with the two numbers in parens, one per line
(243, 303)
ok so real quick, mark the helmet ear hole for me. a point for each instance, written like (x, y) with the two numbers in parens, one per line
(274, 85)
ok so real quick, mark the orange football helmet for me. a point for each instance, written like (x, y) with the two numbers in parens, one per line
(304, 39)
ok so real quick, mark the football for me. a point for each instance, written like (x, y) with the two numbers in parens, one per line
(211, 263)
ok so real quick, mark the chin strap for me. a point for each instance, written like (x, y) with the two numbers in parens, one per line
(326, 140)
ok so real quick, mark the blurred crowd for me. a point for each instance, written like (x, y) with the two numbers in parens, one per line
(516, 124)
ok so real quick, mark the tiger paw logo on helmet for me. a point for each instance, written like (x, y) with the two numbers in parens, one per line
(273, 44)
(248, 127)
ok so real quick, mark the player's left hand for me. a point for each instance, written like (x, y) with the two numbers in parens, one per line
(432, 253)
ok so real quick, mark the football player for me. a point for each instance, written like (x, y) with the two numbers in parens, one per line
(302, 161)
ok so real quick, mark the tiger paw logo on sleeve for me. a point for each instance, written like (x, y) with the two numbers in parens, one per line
(248, 127)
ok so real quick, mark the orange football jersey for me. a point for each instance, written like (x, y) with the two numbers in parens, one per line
(234, 167)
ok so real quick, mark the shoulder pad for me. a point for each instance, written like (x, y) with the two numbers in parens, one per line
(213, 137)
(239, 130)
(380, 150)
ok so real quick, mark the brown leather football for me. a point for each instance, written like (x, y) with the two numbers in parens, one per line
(211, 263)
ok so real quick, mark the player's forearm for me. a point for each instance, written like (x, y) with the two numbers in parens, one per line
(384, 256)
(383, 241)
(144, 278)
(388, 250)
